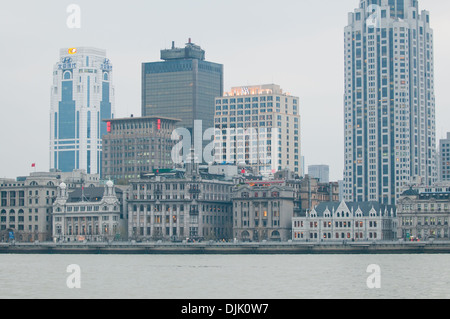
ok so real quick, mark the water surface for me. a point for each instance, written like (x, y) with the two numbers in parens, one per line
(225, 276)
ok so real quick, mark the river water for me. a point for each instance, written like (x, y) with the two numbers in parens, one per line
(224, 276)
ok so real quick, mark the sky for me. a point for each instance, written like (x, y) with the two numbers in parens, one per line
(297, 44)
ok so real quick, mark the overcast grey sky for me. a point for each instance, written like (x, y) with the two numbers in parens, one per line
(297, 44)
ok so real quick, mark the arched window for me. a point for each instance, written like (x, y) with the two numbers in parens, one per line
(67, 75)
(50, 184)
(33, 183)
(105, 76)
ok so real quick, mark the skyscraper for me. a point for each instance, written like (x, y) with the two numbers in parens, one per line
(182, 86)
(82, 96)
(390, 137)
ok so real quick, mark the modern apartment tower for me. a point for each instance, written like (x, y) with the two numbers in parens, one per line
(258, 126)
(82, 96)
(182, 86)
(390, 138)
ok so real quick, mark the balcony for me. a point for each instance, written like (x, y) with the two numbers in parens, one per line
(194, 189)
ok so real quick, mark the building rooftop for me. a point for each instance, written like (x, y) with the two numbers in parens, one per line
(82, 51)
(132, 118)
(365, 207)
(90, 194)
(263, 89)
(410, 192)
(190, 51)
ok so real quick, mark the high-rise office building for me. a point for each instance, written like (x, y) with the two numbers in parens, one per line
(390, 137)
(137, 146)
(82, 96)
(259, 127)
(182, 86)
(321, 172)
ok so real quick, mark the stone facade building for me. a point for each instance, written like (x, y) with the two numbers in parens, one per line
(92, 214)
(334, 221)
(424, 213)
(180, 205)
(309, 191)
(26, 203)
(263, 210)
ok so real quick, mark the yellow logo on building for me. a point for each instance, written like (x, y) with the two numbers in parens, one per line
(72, 51)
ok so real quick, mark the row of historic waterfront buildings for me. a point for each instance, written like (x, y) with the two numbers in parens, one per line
(210, 203)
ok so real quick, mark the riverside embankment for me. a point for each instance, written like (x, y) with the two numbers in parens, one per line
(227, 248)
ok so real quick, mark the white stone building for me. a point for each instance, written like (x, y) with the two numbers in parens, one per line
(92, 214)
(334, 221)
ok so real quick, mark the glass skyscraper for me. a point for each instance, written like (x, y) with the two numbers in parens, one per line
(390, 138)
(82, 96)
(182, 86)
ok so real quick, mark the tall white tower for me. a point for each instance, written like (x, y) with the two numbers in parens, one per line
(390, 138)
(82, 96)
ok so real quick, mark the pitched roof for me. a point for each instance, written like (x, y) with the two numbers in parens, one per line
(365, 207)
(90, 194)
(410, 192)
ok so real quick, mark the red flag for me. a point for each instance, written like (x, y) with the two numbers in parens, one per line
(33, 165)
